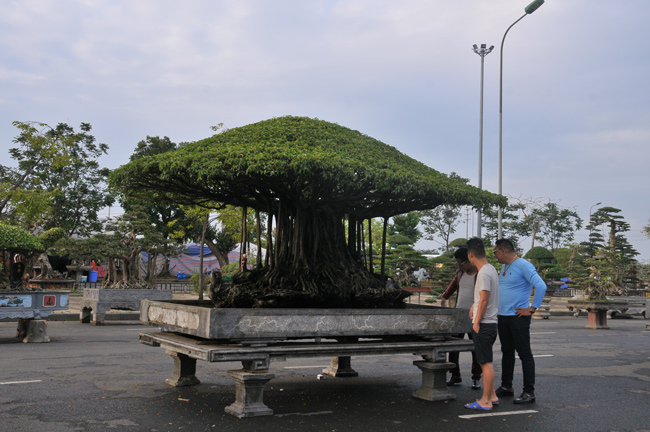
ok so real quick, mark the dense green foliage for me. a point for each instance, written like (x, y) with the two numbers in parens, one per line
(306, 161)
(58, 181)
(18, 241)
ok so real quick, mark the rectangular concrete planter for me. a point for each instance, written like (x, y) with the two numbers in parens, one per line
(199, 318)
(31, 304)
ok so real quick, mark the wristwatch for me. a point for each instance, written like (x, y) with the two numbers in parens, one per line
(532, 309)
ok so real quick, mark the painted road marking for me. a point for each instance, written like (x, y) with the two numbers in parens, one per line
(544, 355)
(19, 382)
(305, 414)
(304, 367)
(543, 333)
(496, 414)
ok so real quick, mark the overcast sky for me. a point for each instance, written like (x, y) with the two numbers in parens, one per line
(576, 114)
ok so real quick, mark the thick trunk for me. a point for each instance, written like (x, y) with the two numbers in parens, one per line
(221, 257)
(314, 267)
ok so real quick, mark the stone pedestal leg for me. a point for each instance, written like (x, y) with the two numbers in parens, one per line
(249, 393)
(36, 332)
(597, 319)
(184, 371)
(434, 382)
(341, 367)
(84, 315)
(98, 317)
(21, 329)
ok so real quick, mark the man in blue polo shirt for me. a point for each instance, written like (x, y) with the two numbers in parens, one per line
(517, 277)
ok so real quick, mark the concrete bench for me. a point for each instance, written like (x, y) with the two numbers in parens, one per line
(97, 301)
(250, 380)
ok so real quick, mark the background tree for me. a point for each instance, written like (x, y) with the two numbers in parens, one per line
(406, 225)
(557, 226)
(439, 224)
(308, 176)
(511, 226)
(617, 260)
(23, 200)
(58, 181)
(541, 258)
(402, 260)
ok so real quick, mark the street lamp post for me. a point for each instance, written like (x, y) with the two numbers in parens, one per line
(483, 51)
(532, 7)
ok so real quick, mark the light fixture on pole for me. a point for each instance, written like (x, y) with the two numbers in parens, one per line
(483, 51)
(532, 7)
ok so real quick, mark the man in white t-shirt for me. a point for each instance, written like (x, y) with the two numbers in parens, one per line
(484, 313)
(463, 283)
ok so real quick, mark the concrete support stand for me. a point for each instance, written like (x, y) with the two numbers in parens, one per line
(341, 367)
(597, 319)
(249, 393)
(84, 315)
(98, 316)
(32, 331)
(434, 382)
(184, 371)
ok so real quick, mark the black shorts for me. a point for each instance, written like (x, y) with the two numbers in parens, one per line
(483, 342)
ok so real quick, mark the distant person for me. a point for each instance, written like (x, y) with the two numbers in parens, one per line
(516, 279)
(484, 321)
(463, 283)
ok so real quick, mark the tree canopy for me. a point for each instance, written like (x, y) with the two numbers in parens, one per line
(309, 176)
(58, 181)
(309, 162)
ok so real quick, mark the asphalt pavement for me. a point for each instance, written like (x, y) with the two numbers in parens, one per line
(99, 378)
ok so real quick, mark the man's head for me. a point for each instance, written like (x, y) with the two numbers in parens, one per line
(463, 262)
(475, 250)
(504, 251)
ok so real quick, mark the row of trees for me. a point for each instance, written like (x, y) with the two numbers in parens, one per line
(58, 182)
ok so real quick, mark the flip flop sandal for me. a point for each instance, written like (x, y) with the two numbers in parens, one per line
(476, 406)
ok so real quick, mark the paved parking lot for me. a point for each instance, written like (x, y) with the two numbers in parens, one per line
(100, 378)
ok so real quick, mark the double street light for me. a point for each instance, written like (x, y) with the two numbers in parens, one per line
(483, 51)
(532, 7)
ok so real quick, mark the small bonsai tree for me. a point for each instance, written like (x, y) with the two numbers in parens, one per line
(541, 258)
(14, 242)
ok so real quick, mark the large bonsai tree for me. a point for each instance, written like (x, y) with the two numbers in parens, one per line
(309, 176)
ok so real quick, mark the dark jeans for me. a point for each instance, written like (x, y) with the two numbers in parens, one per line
(514, 334)
(455, 356)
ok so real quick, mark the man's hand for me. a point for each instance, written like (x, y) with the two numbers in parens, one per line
(443, 302)
(476, 327)
(523, 312)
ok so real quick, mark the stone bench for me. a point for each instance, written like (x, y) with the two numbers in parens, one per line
(97, 301)
(256, 359)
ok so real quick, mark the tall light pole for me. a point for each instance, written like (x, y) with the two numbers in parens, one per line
(482, 52)
(532, 7)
